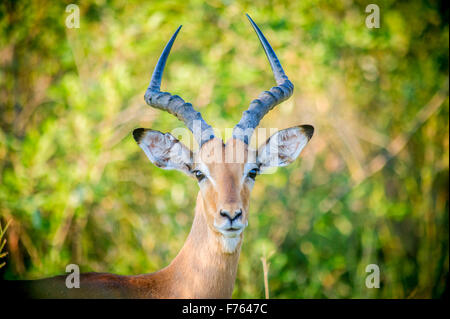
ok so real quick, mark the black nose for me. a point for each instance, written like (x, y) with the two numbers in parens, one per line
(237, 214)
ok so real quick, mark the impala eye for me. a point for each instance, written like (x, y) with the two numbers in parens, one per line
(252, 173)
(199, 175)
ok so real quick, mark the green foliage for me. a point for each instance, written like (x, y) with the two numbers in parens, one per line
(371, 187)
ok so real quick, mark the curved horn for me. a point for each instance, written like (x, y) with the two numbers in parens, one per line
(173, 103)
(266, 100)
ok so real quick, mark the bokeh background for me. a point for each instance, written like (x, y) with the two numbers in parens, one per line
(370, 188)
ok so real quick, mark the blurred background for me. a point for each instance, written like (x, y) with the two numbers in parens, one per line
(370, 188)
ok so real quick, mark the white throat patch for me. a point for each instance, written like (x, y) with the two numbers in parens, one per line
(229, 244)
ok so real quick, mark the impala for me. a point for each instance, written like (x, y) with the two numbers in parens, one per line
(207, 264)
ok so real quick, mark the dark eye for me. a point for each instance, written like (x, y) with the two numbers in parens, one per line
(199, 175)
(252, 173)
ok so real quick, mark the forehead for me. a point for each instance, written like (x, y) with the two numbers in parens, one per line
(216, 152)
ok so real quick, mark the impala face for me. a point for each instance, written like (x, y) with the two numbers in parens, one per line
(225, 183)
(225, 172)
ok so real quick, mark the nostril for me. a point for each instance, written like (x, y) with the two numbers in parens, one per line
(237, 215)
(225, 214)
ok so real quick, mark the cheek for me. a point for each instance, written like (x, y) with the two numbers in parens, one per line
(245, 195)
(209, 197)
(249, 185)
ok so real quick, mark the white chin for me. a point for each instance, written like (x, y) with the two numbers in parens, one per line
(230, 244)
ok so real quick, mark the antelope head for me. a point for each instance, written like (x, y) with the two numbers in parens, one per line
(225, 172)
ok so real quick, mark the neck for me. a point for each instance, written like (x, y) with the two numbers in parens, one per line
(202, 269)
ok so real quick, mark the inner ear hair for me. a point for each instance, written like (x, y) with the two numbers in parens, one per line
(164, 150)
(283, 147)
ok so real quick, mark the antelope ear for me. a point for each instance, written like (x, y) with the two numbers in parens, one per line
(164, 150)
(283, 147)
